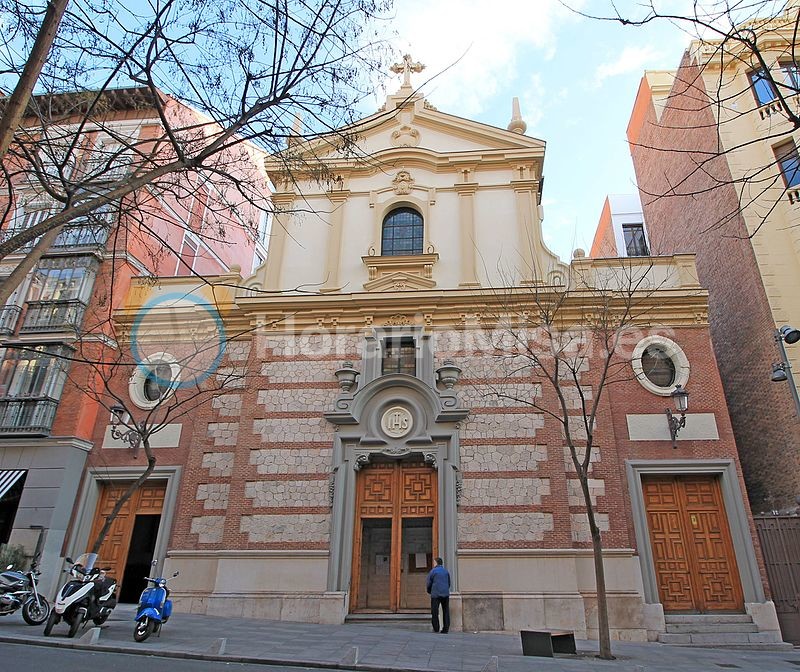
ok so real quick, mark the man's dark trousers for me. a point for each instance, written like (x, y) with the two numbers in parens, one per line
(445, 602)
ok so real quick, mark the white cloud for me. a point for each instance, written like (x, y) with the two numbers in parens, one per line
(630, 59)
(473, 48)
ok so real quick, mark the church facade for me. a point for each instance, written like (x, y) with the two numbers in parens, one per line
(375, 427)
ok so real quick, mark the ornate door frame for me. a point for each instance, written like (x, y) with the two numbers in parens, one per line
(432, 434)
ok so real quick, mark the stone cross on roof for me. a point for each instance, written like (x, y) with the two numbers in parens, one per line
(407, 66)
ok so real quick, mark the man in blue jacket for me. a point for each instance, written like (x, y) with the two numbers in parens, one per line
(438, 587)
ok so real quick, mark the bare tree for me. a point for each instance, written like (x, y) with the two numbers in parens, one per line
(208, 87)
(575, 341)
(110, 356)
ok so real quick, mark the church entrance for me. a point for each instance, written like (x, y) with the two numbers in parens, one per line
(693, 553)
(130, 543)
(394, 537)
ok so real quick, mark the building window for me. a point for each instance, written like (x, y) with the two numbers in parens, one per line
(37, 371)
(791, 76)
(110, 160)
(154, 380)
(762, 87)
(660, 364)
(157, 382)
(58, 294)
(399, 356)
(187, 257)
(789, 162)
(402, 233)
(64, 279)
(635, 242)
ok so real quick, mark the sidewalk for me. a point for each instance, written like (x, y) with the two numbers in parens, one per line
(383, 648)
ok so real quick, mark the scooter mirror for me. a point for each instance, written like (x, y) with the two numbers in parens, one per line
(70, 560)
(9, 567)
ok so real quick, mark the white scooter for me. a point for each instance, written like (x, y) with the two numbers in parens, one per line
(89, 594)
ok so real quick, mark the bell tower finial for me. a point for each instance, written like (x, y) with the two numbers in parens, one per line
(517, 123)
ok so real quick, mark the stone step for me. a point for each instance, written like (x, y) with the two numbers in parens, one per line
(388, 617)
(707, 618)
(689, 628)
(408, 621)
(753, 640)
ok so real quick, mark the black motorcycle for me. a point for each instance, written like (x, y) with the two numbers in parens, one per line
(18, 589)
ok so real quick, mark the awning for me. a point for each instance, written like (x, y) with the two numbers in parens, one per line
(7, 479)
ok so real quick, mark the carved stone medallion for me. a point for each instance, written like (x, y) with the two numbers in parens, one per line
(405, 136)
(402, 183)
(397, 422)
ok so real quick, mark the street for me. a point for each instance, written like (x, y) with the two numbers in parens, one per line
(26, 658)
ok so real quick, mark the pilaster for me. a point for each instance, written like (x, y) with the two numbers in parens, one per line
(466, 207)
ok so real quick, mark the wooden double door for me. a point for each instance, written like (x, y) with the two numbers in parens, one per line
(129, 545)
(394, 537)
(693, 555)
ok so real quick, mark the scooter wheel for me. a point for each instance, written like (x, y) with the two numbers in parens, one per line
(99, 620)
(73, 627)
(144, 629)
(51, 621)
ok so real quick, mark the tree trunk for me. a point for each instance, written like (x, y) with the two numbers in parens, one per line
(18, 101)
(111, 517)
(25, 266)
(603, 634)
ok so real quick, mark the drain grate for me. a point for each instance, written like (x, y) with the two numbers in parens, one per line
(728, 665)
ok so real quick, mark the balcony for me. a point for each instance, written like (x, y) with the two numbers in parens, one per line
(27, 416)
(53, 316)
(77, 237)
(9, 316)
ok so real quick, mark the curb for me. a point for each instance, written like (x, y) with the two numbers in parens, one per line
(190, 655)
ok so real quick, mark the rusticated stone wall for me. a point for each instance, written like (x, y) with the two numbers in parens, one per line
(260, 462)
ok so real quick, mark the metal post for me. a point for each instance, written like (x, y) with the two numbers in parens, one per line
(787, 367)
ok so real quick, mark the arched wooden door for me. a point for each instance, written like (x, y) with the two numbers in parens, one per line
(394, 538)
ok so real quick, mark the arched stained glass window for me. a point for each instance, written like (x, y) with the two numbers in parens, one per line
(402, 233)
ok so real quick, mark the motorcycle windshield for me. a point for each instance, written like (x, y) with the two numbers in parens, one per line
(86, 560)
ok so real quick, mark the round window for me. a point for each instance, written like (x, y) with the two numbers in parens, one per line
(658, 366)
(154, 380)
(157, 383)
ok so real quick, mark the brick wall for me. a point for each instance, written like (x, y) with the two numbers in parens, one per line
(702, 218)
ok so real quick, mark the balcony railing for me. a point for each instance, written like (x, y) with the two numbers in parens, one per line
(81, 236)
(27, 416)
(53, 316)
(9, 316)
(71, 237)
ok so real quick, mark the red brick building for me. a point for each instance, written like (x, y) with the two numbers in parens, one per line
(372, 425)
(748, 261)
(60, 313)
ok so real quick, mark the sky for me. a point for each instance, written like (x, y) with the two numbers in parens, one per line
(576, 79)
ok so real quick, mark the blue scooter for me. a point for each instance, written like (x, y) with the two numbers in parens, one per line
(154, 608)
